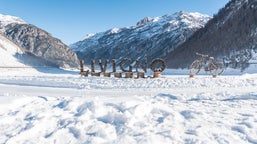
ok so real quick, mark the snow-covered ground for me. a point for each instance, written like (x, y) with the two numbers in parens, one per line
(50, 106)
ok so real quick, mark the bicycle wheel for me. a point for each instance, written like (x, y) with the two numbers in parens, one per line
(195, 67)
(216, 68)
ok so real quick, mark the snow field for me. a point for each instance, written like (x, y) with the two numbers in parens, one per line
(66, 108)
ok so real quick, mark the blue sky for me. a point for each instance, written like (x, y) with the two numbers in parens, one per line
(71, 20)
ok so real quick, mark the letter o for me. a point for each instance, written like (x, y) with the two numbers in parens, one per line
(158, 62)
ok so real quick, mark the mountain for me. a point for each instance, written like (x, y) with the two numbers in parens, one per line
(8, 50)
(231, 37)
(151, 38)
(7, 19)
(37, 43)
(12, 55)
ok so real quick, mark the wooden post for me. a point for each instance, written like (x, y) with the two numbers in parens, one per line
(92, 66)
(103, 68)
(157, 74)
(97, 74)
(114, 65)
(191, 75)
(84, 73)
(140, 75)
(117, 75)
(129, 75)
(81, 66)
(107, 74)
(100, 64)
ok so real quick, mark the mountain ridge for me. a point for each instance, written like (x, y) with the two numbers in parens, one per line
(8, 19)
(150, 38)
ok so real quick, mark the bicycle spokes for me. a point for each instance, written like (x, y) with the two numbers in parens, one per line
(215, 68)
(195, 67)
(219, 68)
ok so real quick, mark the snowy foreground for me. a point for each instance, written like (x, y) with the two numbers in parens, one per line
(49, 106)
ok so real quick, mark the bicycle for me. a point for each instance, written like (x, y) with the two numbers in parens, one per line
(215, 67)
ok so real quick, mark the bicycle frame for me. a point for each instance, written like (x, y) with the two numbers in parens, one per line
(205, 63)
(208, 63)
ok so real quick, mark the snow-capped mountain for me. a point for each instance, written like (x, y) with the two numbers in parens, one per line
(37, 43)
(12, 55)
(150, 38)
(231, 36)
(7, 19)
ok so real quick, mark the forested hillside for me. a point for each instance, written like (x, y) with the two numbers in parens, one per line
(231, 36)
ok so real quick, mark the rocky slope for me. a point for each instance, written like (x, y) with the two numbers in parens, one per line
(231, 36)
(38, 43)
(8, 51)
(151, 38)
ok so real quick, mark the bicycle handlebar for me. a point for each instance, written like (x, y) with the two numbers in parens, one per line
(202, 55)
